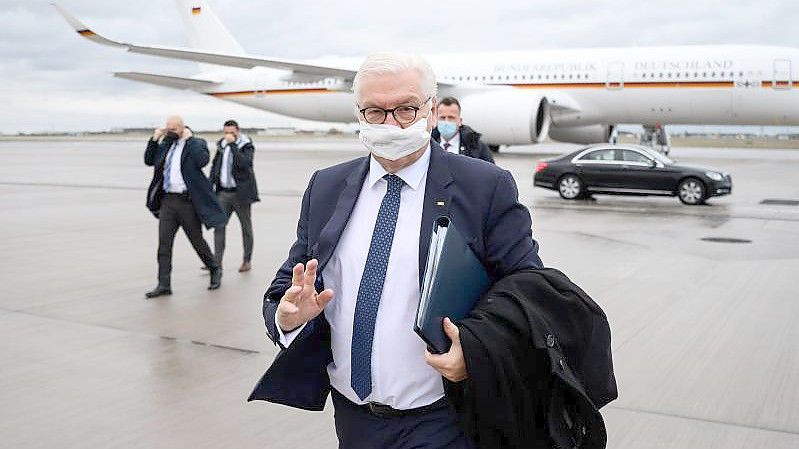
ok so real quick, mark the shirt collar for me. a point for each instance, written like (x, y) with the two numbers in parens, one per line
(412, 175)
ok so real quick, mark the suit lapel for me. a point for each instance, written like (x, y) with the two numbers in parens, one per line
(436, 200)
(185, 152)
(331, 232)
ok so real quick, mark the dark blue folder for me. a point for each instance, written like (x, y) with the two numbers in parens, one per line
(454, 280)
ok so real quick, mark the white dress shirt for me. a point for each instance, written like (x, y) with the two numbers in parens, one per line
(454, 143)
(226, 172)
(400, 376)
(176, 182)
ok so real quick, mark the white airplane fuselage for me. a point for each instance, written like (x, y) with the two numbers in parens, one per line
(741, 85)
(573, 95)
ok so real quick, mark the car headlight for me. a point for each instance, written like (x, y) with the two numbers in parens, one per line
(714, 176)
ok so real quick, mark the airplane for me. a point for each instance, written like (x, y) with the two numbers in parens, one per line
(519, 97)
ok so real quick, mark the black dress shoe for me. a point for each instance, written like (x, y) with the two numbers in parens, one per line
(216, 278)
(161, 290)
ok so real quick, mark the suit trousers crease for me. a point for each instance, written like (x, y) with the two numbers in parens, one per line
(178, 211)
(231, 203)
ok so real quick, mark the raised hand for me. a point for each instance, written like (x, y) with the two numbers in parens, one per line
(302, 302)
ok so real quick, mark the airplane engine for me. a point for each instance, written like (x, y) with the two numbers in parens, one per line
(508, 117)
(581, 134)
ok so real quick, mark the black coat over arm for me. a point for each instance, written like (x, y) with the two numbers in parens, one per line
(537, 350)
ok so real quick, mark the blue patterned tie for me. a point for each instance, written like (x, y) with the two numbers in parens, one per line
(374, 274)
(168, 166)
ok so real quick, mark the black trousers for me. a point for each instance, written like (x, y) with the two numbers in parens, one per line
(230, 203)
(357, 428)
(177, 211)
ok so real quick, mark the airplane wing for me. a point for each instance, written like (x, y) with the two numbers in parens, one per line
(245, 62)
(168, 81)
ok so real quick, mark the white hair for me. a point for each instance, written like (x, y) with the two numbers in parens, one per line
(392, 63)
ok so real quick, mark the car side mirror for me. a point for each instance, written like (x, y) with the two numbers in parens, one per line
(653, 164)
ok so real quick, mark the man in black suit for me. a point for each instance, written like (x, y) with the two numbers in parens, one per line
(454, 136)
(181, 196)
(342, 305)
(233, 178)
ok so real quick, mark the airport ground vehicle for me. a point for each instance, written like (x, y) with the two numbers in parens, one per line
(628, 170)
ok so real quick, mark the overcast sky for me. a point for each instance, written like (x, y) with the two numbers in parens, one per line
(51, 79)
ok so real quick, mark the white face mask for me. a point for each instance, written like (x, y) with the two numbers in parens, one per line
(392, 142)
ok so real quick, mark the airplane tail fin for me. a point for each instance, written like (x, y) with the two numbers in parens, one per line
(205, 31)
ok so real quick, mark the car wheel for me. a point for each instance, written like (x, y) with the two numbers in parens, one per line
(691, 191)
(570, 187)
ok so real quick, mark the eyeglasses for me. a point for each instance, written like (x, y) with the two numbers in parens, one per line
(404, 115)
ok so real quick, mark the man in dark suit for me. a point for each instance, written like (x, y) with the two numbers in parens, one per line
(233, 178)
(342, 305)
(181, 196)
(454, 136)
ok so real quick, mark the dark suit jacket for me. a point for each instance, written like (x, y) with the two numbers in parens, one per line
(480, 197)
(471, 145)
(243, 173)
(195, 156)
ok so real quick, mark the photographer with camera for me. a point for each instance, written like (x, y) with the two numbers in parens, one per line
(233, 178)
(181, 196)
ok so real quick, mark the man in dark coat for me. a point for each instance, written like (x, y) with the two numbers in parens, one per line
(181, 196)
(456, 137)
(233, 178)
(363, 236)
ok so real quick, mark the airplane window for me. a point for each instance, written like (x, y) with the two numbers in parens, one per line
(524, 77)
(600, 155)
(539, 76)
(704, 74)
(668, 75)
(643, 75)
(547, 76)
(634, 156)
(660, 75)
(696, 74)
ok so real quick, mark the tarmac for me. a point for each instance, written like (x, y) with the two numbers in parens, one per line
(705, 333)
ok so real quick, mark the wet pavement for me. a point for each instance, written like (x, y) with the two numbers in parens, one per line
(704, 332)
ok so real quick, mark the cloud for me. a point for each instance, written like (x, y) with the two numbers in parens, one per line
(54, 79)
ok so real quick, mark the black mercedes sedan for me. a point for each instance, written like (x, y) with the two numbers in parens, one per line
(628, 170)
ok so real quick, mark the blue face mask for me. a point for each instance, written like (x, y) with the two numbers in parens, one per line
(447, 129)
